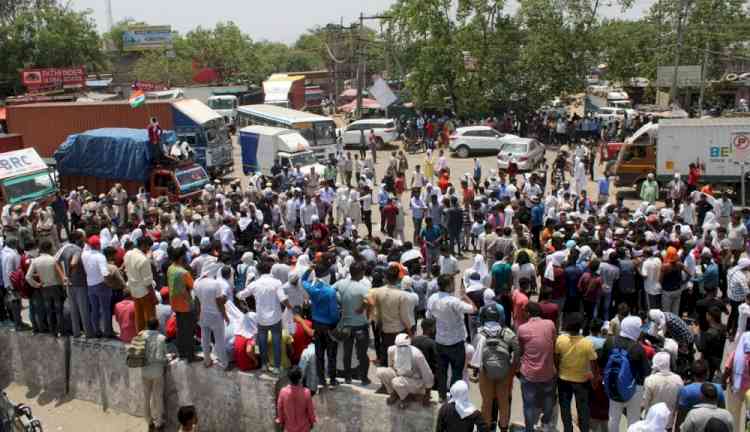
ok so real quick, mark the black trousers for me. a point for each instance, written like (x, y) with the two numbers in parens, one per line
(359, 338)
(325, 346)
(185, 334)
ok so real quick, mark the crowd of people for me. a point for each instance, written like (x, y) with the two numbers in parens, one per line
(577, 297)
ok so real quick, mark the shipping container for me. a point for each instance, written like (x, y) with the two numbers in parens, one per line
(10, 142)
(45, 126)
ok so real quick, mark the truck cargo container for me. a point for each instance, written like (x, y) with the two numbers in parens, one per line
(10, 142)
(262, 146)
(100, 158)
(46, 126)
(671, 145)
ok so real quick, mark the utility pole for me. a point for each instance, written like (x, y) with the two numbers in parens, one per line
(680, 37)
(703, 68)
(361, 65)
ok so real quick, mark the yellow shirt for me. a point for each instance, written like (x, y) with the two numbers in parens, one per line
(576, 354)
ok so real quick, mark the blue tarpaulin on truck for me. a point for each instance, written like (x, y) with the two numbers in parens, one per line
(111, 153)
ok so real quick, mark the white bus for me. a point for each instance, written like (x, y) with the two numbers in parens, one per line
(319, 131)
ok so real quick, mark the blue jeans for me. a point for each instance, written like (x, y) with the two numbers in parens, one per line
(602, 307)
(453, 356)
(100, 304)
(536, 395)
(417, 227)
(38, 311)
(263, 343)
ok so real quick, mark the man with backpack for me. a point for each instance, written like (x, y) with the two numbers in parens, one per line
(494, 361)
(625, 369)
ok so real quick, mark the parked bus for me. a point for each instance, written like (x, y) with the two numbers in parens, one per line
(319, 131)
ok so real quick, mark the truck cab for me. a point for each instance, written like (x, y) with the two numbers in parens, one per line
(305, 160)
(182, 182)
(225, 105)
(205, 131)
(24, 178)
(637, 157)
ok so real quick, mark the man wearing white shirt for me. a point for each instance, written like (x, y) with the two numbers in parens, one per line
(651, 272)
(100, 295)
(306, 211)
(11, 261)
(269, 296)
(226, 236)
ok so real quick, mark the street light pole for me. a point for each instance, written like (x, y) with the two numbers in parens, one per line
(361, 65)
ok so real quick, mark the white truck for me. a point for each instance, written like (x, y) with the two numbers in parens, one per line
(671, 145)
(262, 146)
(225, 105)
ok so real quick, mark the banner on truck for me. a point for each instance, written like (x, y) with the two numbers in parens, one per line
(139, 38)
(50, 78)
(20, 162)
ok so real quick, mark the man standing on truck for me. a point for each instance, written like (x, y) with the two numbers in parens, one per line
(154, 138)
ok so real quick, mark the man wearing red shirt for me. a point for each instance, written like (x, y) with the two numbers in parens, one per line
(389, 216)
(154, 138)
(694, 177)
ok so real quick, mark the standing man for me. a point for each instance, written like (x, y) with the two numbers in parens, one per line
(448, 312)
(153, 375)
(180, 283)
(100, 295)
(373, 139)
(69, 258)
(154, 138)
(269, 297)
(325, 317)
(650, 189)
(431, 235)
(536, 339)
(212, 315)
(120, 200)
(141, 282)
(50, 278)
(11, 261)
(362, 145)
(391, 312)
(352, 294)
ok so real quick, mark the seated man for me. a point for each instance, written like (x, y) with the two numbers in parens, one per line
(407, 373)
(125, 317)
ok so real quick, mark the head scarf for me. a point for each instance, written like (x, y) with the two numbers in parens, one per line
(403, 359)
(660, 319)
(656, 420)
(630, 327)
(460, 398)
(585, 254)
(480, 266)
(740, 353)
(671, 255)
(661, 362)
(244, 324)
(556, 259)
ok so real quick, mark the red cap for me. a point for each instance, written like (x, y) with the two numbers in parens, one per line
(94, 242)
(164, 292)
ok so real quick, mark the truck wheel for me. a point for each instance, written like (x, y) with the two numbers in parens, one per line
(462, 152)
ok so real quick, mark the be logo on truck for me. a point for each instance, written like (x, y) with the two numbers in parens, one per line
(20, 162)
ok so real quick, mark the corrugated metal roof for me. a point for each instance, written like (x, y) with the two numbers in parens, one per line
(197, 110)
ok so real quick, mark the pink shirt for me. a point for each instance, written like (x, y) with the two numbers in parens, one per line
(294, 409)
(125, 317)
(519, 300)
(537, 341)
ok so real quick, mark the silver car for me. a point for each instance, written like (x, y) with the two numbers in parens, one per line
(528, 153)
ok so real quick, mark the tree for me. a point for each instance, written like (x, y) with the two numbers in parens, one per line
(157, 66)
(49, 36)
(224, 48)
(115, 35)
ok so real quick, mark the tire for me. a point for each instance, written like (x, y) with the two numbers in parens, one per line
(462, 152)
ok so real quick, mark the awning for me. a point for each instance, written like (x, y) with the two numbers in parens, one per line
(367, 103)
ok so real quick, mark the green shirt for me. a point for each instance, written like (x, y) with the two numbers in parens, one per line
(650, 191)
(501, 272)
(179, 296)
(350, 295)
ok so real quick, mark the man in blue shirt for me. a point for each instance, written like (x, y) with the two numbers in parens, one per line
(690, 395)
(325, 316)
(537, 221)
(431, 235)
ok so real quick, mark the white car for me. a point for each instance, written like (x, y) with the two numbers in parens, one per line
(527, 152)
(610, 114)
(477, 139)
(385, 131)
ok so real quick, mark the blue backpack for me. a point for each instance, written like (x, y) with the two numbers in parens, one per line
(619, 383)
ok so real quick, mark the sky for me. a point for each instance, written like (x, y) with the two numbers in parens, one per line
(275, 20)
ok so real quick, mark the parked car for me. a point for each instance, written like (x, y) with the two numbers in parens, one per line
(385, 131)
(610, 114)
(477, 139)
(527, 152)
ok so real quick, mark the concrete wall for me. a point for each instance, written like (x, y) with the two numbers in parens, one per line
(226, 401)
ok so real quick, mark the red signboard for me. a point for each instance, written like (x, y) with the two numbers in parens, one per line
(72, 77)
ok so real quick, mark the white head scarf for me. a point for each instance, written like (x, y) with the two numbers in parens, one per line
(480, 266)
(556, 259)
(661, 362)
(585, 254)
(460, 398)
(631, 327)
(244, 324)
(658, 317)
(403, 358)
(656, 420)
(740, 353)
